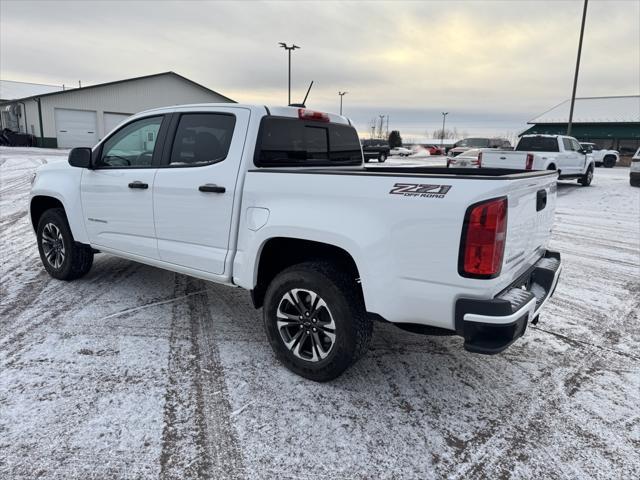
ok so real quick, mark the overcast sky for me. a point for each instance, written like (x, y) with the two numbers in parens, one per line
(492, 64)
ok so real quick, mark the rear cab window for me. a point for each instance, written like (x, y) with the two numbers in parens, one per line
(284, 141)
(538, 144)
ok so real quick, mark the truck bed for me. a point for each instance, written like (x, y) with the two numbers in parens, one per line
(419, 171)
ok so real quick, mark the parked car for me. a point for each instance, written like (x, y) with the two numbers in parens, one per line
(469, 159)
(375, 150)
(434, 150)
(601, 157)
(468, 143)
(634, 170)
(545, 152)
(277, 201)
(401, 152)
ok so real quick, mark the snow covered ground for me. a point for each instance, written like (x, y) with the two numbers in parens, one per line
(134, 372)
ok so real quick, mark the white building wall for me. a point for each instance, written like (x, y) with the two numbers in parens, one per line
(126, 97)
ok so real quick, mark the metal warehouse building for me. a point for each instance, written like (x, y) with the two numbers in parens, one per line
(80, 117)
(611, 122)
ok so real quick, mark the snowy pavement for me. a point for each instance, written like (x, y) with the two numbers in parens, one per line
(135, 372)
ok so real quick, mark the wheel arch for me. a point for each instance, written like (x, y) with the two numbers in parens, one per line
(40, 204)
(279, 253)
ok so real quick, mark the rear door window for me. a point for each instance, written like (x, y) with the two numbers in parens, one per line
(202, 139)
(292, 142)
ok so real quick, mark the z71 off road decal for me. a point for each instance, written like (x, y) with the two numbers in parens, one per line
(420, 190)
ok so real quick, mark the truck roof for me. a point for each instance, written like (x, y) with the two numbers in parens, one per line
(279, 111)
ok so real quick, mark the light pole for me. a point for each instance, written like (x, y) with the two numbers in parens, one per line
(342, 94)
(381, 125)
(289, 49)
(444, 117)
(575, 77)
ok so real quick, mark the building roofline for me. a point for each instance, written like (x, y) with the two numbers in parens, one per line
(144, 77)
(531, 122)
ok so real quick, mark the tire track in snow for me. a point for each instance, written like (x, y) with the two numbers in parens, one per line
(198, 439)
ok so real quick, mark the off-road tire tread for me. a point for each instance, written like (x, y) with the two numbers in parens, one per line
(361, 324)
(80, 255)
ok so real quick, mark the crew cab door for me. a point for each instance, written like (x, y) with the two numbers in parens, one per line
(572, 160)
(117, 194)
(194, 189)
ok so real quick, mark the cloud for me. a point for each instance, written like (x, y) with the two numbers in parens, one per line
(488, 63)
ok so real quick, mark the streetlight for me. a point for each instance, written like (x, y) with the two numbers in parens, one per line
(342, 94)
(575, 77)
(288, 49)
(444, 117)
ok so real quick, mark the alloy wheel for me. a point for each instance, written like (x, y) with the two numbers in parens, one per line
(306, 325)
(53, 245)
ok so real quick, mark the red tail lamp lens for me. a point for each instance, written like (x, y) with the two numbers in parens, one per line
(483, 239)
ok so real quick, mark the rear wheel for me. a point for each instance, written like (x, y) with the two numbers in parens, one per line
(609, 161)
(587, 178)
(315, 320)
(382, 157)
(61, 256)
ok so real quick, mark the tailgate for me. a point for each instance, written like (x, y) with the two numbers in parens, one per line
(504, 159)
(529, 222)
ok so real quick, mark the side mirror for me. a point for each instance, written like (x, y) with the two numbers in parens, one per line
(80, 157)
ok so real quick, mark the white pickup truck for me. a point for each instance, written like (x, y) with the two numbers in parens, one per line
(545, 152)
(277, 201)
(602, 157)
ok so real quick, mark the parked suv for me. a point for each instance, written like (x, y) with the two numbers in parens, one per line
(634, 171)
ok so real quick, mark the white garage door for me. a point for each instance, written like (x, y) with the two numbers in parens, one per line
(76, 128)
(111, 120)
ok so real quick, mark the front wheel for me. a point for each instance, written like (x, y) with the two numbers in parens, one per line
(587, 178)
(61, 256)
(382, 157)
(609, 161)
(315, 320)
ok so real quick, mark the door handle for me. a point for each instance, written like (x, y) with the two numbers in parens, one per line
(138, 184)
(211, 187)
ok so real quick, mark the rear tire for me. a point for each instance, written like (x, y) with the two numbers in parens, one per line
(63, 258)
(587, 178)
(382, 157)
(316, 321)
(609, 161)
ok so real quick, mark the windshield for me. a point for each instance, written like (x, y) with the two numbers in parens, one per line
(473, 142)
(538, 144)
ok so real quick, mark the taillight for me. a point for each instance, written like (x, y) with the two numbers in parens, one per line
(304, 114)
(529, 164)
(483, 238)
(479, 161)
(449, 162)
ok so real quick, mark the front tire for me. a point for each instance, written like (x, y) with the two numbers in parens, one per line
(61, 256)
(382, 157)
(587, 178)
(315, 320)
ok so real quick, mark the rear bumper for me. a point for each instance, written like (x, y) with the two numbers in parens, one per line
(490, 326)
